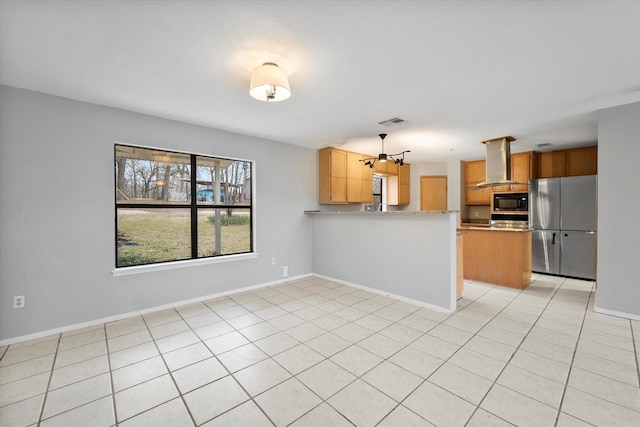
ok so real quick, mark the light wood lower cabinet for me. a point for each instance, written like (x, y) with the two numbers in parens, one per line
(498, 257)
(459, 266)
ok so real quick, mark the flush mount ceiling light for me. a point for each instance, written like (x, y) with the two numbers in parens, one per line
(383, 157)
(269, 83)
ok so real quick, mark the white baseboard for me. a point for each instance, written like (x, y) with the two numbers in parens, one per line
(616, 313)
(386, 294)
(121, 316)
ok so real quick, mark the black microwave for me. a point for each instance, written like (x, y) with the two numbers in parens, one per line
(510, 202)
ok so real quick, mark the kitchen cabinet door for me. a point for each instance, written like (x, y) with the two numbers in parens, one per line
(582, 161)
(332, 178)
(399, 186)
(551, 164)
(404, 189)
(354, 177)
(475, 173)
(367, 182)
(521, 170)
(393, 168)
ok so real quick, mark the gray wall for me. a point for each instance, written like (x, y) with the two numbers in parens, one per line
(407, 255)
(57, 212)
(618, 288)
(451, 169)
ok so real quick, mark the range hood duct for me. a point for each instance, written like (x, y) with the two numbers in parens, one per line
(498, 162)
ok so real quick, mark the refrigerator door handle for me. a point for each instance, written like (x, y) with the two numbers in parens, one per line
(553, 239)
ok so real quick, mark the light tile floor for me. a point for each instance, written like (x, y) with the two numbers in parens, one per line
(316, 353)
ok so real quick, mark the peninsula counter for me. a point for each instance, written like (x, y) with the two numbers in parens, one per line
(411, 255)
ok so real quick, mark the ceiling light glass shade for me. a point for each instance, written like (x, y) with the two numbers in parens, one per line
(269, 83)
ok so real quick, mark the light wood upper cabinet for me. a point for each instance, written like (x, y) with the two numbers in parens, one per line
(404, 174)
(343, 178)
(367, 182)
(385, 168)
(475, 172)
(354, 177)
(398, 186)
(570, 162)
(332, 176)
(380, 167)
(582, 161)
(551, 164)
(523, 169)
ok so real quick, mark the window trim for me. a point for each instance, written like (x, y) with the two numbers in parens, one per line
(193, 207)
(185, 263)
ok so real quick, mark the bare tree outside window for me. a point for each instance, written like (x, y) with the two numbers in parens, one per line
(174, 206)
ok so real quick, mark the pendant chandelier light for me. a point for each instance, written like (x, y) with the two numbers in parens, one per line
(383, 157)
(269, 83)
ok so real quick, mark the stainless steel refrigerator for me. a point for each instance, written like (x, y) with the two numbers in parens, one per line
(563, 219)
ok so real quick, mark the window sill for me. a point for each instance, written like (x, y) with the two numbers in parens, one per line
(126, 271)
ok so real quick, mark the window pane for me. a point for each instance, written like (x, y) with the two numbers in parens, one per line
(234, 229)
(377, 185)
(231, 177)
(146, 236)
(152, 176)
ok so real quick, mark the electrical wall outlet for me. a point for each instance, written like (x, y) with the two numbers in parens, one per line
(273, 261)
(18, 301)
(475, 214)
(285, 271)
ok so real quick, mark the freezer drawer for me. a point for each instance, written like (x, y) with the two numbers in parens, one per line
(578, 254)
(545, 251)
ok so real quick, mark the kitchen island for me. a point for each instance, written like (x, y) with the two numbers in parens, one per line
(499, 256)
(410, 255)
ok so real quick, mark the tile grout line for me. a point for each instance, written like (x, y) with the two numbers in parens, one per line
(575, 349)
(230, 374)
(46, 392)
(351, 344)
(173, 380)
(513, 354)
(635, 349)
(113, 389)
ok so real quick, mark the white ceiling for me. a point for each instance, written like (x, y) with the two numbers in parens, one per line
(457, 72)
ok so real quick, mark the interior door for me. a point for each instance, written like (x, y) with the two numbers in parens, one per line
(433, 193)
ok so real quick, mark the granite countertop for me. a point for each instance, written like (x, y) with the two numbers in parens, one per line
(476, 227)
(318, 212)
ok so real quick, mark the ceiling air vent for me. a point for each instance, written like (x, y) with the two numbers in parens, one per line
(544, 144)
(392, 122)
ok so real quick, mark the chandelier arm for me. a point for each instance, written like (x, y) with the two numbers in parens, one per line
(397, 154)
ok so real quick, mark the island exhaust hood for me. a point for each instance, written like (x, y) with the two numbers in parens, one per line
(498, 162)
